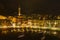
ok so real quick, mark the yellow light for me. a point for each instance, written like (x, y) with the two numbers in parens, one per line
(14, 30)
(27, 30)
(35, 30)
(34, 26)
(54, 32)
(4, 32)
(55, 23)
(19, 11)
(4, 27)
(23, 25)
(18, 30)
(11, 30)
(44, 31)
(22, 30)
(39, 30)
(14, 25)
(32, 30)
(14, 20)
(2, 17)
(53, 28)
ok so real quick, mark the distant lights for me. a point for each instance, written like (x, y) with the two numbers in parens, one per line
(55, 23)
(45, 31)
(54, 28)
(54, 33)
(4, 26)
(11, 30)
(14, 25)
(4, 32)
(18, 30)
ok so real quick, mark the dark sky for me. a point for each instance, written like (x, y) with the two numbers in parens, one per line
(9, 7)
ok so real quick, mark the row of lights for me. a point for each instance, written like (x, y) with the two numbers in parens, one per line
(37, 31)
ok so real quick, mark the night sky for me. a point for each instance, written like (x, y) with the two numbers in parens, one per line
(9, 7)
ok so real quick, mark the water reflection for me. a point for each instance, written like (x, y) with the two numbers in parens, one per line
(25, 34)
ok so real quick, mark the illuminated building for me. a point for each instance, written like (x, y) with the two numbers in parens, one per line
(3, 17)
(58, 17)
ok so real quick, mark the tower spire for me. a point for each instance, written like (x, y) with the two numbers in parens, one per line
(19, 11)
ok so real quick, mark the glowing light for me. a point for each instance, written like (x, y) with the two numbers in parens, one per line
(13, 25)
(13, 19)
(23, 25)
(54, 32)
(20, 36)
(27, 30)
(18, 30)
(22, 30)
(53, 28)
(4, 32)
(35, 30)
(4, 27)
(44, 31)
(19, 11)
(2, 17)
(11, 30)
(39, 30)
(44, 27)
(55, 23)
(15, 30)
(34, 26)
